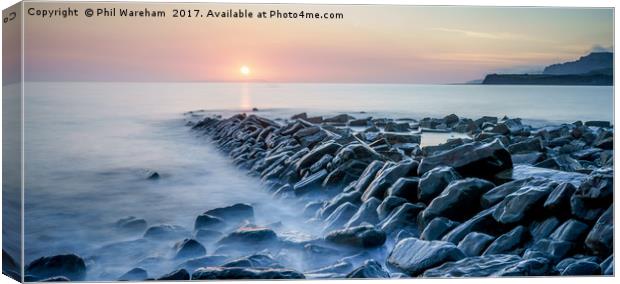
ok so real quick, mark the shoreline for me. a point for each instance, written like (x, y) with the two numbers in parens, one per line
(536, 200)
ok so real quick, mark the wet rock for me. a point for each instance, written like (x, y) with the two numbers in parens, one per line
(607, 266)
(414, 256)
(340, 216)
(437, 228)
(524, 202)
(562, 163)
(68, 265)
(550, 249)
(508, 243)
(543, 228)
(255, 260)
(525, 171)
(312, 207)
(131, 224)
(365, 236)
(205, 221)
(600, 238)
(498, 193)
(595, 191)
(195, 263)
(341, 118)
(370, 269)
(340, 268)
(302, 115)
(397, 127)
(359, 122)
(165, 232)
(475, 243)
(481, 222)
(559, 199)
(226, 273)
(527, 146)
(433, 182)
(471, 160)
(401, 217)
(387, 206)
(233, 214)
(387, 176)
(52, 279)
(180, 274)
(136, 274)
(486, 119)
(459, 201)
(570, 231)
(316, 154)
(208, 236)
(310, 183)
(189, 248)
(250, 236)
(582, 268)
(401, 138)
(491, 266)
(406, 188)
(368, 175)
(562, 265)
(527, 158)
(353, 197)
(366, 213)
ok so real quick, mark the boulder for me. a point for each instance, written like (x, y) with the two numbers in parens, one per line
(406, 188)
(340, 216)
(474, 243)
(368, 175)
(195, 263)
(459, 201)
(180, 274)
(401, 138)
(570, 231)
(525, 171)
(165, 232)
(583, 268)
(527, 146)
(228, 273)
(401, 217)
(310, 183)
(370, 269)
(341, 118)
(508, 243)
(600, 238)
(498, 193)
(316, 154)
(250, 236)
(526, 201)
(433, 182)
(189, 248)
(364, 236)
(491, 266)
(207, 236)
(131, 224)
(471, 160)
(366, 213)
(559, 199)
(414, 256)
(352, 197)
(397, 127)
(549, 249)
(136, 274)
(594, 193)
(387, 206)
(481, 222)
(340, 268)
(437, 228)
(205, 221)
(233, 214)
(607, 266)
(541, 229)
(67, 265)
(256, 260)
(387, 176)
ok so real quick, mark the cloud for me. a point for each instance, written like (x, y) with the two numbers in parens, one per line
(489, 35)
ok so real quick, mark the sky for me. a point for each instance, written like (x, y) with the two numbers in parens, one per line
(371, 44)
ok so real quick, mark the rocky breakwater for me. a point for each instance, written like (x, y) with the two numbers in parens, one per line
(511, 200)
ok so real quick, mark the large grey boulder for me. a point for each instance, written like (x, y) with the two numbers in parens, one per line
(491, 266)
(525, 202)
(459, 201)
(433, 182)
(600, 238)
(414, 256)
(475, 243)
(365, 236)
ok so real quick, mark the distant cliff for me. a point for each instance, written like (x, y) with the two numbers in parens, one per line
(586, 64)
(593, 69)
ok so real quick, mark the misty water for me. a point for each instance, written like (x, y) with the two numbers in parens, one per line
(87, 146)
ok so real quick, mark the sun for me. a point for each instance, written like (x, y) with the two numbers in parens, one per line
(245, 70)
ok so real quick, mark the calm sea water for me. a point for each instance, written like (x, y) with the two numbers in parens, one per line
(86, 145)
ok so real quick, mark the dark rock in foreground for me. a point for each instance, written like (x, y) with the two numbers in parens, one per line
(491, 266)
(370, 269)
(360, 236)
(67, 265)
(221, 273)
(414, 256)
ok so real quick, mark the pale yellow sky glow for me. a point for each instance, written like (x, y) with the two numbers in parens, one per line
(372, 44)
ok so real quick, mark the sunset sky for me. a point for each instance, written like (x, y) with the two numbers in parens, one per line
(372, 44)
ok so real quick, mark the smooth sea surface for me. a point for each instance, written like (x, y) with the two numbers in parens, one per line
(87, 146)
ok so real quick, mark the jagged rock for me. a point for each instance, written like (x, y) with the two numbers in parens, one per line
(525, 171)
(559, 199)
(491, 266)
(340, 216)
(165, 231)
(370, 269)
(310, 183)
(481, 222)
(406, 188)
(401, 138)
(475, 243)
(226, 273)
(522, 203)
(528, 158)
(233, 214)
(341, 118)
(527, 146)
(180, 274)
(205, 221)
(250, 236)
(437, 228)
(550, 249)
(317, 153)
(255, 260)
(600, 238)
(397, 127)
(508, 243)
(195, 263)
(366, 213)
(368, 175)
(387, 206)
(189, 248)
(365, 236)
(471, 160)
(543, 228)
(67, 265)
(387, 176)
(401, 217)
(415, 256)
(433, 182)
(352, 197)
(570, 231)
(459, 201)
(582, 268)
(497, 194)
(302, 115)
(136, 274)
(607, 266)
